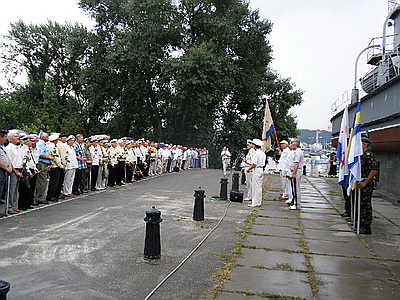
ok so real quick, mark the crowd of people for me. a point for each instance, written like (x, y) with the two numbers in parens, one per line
(44, 168)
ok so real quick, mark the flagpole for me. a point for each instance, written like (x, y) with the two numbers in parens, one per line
(358, 209)
(268, 127)
(277, 140)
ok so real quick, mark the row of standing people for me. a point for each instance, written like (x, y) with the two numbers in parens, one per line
(291, 163)
(41, 169)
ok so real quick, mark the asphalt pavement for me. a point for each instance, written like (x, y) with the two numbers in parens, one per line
(91, 246)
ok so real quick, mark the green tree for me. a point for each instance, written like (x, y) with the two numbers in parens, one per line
(53, 57)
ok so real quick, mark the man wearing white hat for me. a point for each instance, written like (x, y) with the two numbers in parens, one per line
(285, 157)
(296, 167)
(56, 168)
(248, 161)
(226, 158)
(257, 169)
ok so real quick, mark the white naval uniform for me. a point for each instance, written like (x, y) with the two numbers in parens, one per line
(258, 172)
(284, 169)
(226, 158)
(248, 161)
(72, 165)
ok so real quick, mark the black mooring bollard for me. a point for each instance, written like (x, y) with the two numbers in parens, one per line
(304, 170)
(198, 212)
(223, 195)
(152, 243)
(235, 182)
(4, 288)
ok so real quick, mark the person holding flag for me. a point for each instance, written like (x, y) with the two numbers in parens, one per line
(369, 169)
(362, 169)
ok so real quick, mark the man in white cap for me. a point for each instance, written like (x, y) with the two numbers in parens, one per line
(285, 156)
(56, 169)
(44, 161)
(257, 169)
(296, 168)
(248, 161)
(226, 158)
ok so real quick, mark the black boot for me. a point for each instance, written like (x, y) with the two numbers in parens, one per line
(345, 214)
(365, 229)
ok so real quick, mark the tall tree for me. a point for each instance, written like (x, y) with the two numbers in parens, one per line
(53, 56)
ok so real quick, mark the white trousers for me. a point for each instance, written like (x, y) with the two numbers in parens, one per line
(249, 183)
(68, 182)
(153, 167)
(256, 188)
(225, 164)
(284, 181)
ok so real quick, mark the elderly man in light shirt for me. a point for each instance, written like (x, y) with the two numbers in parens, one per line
(16, 159)
(296, 168)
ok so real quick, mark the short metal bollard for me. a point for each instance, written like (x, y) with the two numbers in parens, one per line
(4, 289)
(235, 182)
(223, 194)
(152, 243)
(198, 212)
(304, 170)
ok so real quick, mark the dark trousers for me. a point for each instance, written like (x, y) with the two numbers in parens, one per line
(3, 183)
(120, 173)
(24, 193)
(55, 178)
(93, 177)
(112, 170)
(77, 181)
(129, 173)
(347, 203)
(85, 178)
(169, 165)
(60, 183)
(32, 188)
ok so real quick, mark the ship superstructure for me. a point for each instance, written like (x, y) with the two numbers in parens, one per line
(380, 101)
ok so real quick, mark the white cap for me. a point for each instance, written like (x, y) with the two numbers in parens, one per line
(257, 142)
(53, 137)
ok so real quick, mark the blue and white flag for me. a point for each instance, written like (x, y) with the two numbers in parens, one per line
(355, 151)
(268, 128)
(341, 154)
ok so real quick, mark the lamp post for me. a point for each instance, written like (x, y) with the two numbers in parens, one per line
(354, 91)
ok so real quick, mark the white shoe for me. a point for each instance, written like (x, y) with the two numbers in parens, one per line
(246, 199)
(288, 201)
(293, 207)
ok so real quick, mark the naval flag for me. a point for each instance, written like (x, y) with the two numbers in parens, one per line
(268, 128)
(355, 151)
(343, 179)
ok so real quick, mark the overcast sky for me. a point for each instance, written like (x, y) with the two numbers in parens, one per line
(315, 42)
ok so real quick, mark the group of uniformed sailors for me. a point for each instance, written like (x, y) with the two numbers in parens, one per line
(291, 164)
(38, 169)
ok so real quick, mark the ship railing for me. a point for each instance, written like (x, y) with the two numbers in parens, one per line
(345, 99)
(392, 4)
(375, 53)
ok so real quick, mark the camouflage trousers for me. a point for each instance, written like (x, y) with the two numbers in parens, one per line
(366, 205)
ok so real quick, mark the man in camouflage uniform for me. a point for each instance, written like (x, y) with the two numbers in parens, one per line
(369, 168)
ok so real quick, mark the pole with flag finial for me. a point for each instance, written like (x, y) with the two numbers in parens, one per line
(268, 128)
